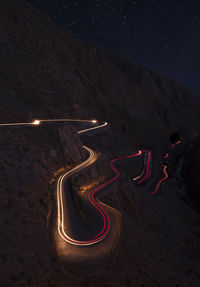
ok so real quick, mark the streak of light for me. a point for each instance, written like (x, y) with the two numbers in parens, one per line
(106, 220)
(66, 120)
(47, 120)
(94, 128)
(138, 177)
(161, 180)
(147, 167)
(36, 122)
(166, 155)
(15, 124)
(117, 174)
(178, 142)
(61, 230)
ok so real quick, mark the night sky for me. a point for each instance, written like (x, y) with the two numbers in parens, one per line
(163, 35)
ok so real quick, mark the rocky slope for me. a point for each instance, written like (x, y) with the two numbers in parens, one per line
(46, 72)
(191, 169)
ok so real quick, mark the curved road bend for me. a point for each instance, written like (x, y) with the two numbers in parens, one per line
(165, 169)
(144, 174)
(92, 157)
(161, 180)
(62, 211)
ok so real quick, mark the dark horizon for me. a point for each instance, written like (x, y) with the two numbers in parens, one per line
(160, 36)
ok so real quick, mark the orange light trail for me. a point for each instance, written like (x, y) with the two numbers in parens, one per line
(94, 128)
(106, 220)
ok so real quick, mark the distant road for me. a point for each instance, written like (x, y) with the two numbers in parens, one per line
(61, 208)
(60, 189)
(37, 122)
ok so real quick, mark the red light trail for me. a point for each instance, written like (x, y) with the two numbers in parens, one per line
(91, 196)
(166, 155)
(161, 180)
(178, 142)
(106, 220)
(117, 174)
(147, 167)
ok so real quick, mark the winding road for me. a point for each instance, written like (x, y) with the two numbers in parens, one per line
(61, 209)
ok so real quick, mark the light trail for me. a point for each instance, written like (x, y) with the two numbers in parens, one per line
(94, 128)
(147, 167)
(178, 142)
(165, 169)
(161, 180)
(166, 155)
(16, 124)
(92, 157)
(117, 174)
(138, 177)
(38, 121)
(60, 183)
(106, 225)
(60, 206)
(69, 120)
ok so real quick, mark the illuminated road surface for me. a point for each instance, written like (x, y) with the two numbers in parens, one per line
(106, 220)
(60, 189)
(91, 196)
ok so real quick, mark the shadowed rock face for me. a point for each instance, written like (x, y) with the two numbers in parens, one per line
(46, 72)
(191, 170)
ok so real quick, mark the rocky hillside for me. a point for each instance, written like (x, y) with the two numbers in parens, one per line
(191, 169)
(46, 72)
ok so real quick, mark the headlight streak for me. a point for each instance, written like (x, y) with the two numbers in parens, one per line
(61, 230)
(106, 226)
(147, 167)
(38, 121)
(87, 162)
(138, 177)
(92, 157)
